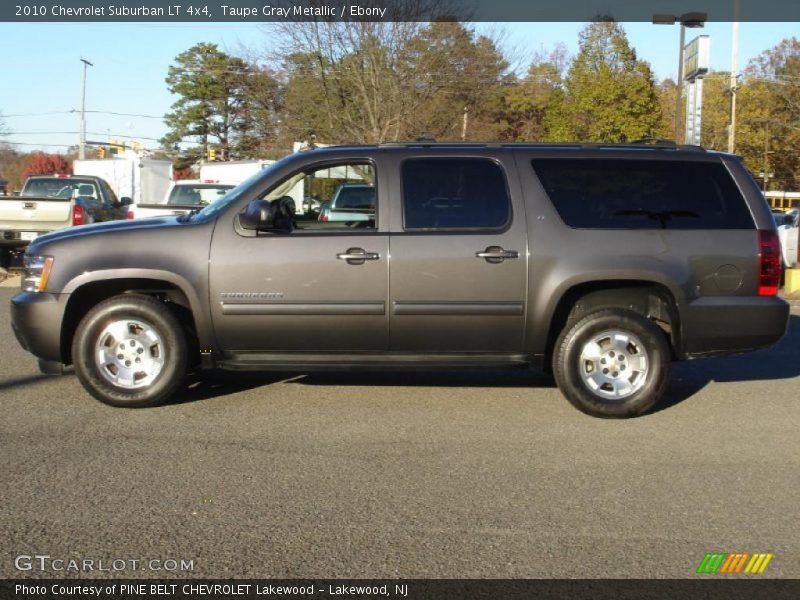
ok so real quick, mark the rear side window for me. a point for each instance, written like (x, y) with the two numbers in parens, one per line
(448, 193)
(643, 194)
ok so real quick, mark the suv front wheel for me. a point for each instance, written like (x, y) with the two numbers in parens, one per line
(130, 351)
(613, 363)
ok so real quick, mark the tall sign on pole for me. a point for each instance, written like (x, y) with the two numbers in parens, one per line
(696, 55)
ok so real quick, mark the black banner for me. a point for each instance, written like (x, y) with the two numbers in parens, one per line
(205, 11)
(412, 589)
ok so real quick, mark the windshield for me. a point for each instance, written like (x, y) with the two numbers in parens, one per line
(212, 210)
(199, 194)
(60, 187)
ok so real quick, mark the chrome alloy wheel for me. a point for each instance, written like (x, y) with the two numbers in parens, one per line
(613, 364)
(130, 354)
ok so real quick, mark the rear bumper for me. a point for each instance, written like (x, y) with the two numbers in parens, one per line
(716, 325)
(12, 239)
(36, 320)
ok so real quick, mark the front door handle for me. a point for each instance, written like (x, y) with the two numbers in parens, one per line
(357, 256)
(496, 254)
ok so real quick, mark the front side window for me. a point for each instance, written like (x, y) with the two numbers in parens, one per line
(643, 194)
(334, 197)
(454, 193)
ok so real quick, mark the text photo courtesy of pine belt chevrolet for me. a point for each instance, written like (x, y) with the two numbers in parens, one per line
(600, 263)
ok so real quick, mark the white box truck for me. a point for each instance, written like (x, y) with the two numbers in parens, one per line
(144, 180)
(234, 171)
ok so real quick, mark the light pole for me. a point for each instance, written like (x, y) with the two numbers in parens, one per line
(82, 144)
(734, 79)
(693, 20)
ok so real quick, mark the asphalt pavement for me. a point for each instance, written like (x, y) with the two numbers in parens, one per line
(400, 475)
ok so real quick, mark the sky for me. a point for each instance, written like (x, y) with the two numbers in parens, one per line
(40, 68)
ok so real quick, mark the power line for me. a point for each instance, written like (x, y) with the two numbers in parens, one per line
(41, 114)
(2, 142)
(74, 111)
(116, 135)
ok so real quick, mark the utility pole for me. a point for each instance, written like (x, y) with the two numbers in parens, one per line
(766, 154)
(734, 78)
(82, 144)
(679, 88)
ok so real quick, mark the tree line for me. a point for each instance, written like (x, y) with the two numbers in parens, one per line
(380, 82)
(363, 83)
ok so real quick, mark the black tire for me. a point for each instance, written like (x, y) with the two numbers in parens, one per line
(567, 365)
(142, 309)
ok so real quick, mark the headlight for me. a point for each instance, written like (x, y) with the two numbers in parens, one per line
(37, 270)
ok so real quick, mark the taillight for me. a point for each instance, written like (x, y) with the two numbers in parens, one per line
(78, 215)
(130, 214)
(769, 262)
(323, 217)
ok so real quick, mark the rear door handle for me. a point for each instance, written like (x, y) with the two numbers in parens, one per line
(357, 256)
(496, 254)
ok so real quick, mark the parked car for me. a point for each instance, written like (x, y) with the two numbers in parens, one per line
(601, 263)
(50, 202)
(352, 203)
(788, 224)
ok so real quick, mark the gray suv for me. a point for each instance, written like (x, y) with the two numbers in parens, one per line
(601, 263)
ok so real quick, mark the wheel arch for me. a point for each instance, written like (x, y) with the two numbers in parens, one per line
(90, 289)
(648, 298)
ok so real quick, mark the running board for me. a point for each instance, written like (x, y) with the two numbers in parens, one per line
(301, 361)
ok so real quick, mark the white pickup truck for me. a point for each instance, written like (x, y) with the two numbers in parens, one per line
(50, 202)
(182, 196)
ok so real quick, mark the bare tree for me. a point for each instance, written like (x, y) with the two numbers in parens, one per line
(359, 81)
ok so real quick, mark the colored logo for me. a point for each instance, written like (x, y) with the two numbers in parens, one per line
(737, 562)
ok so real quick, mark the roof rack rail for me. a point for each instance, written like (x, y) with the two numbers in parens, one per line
(649, 139)
(643, 144)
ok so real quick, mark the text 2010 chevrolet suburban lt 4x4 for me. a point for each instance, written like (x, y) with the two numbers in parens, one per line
(604, 263)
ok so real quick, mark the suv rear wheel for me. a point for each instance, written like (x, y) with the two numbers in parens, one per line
(612, 363)
(130, 351)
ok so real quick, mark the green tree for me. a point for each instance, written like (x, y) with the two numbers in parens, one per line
(768, 115)
(609, 94)
(527, 102)
(222, 103)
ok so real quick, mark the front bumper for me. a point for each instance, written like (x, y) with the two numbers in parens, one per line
(715, 325)
(36, 319)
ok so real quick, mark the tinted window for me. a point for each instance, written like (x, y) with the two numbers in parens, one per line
(466, 193)
(643, 194)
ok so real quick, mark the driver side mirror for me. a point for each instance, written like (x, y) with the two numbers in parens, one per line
(125, 201)
(259, 215)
